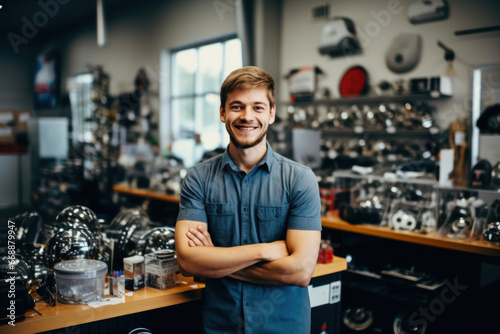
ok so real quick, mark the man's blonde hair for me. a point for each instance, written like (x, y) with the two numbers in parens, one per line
(249, 77)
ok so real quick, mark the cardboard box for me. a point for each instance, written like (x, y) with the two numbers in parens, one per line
(161, 269)
(7, 134)
(22, 120)
(7, 118)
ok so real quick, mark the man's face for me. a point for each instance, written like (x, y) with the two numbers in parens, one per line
(247, 116)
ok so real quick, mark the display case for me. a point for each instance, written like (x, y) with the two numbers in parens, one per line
(406, 248)
(417, 206)
(399, 204)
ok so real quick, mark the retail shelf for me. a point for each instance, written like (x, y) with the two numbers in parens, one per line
(398, 133)
(464, 245)
(371, 100)
(350, 175)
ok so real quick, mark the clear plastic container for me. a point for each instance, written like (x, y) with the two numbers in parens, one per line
(80, 281)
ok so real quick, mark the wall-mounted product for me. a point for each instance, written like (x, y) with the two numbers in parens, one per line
(302, 83)
(427, 10)
(404, 52)
(338, 38)
(489, 121)
(449, 56)
(354, 82)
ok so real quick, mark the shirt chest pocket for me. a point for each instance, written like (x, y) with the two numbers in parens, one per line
(221, 222)
(272, 222)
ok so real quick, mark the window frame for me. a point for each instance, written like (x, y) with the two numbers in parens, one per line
(166, 92)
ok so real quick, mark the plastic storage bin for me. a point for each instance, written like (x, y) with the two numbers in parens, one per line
(80, 281)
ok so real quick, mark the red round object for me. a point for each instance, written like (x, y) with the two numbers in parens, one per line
(354, 82)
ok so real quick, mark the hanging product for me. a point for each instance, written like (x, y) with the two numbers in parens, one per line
(338, 38)
(354, 82)
(302, 83)
(404, 53)
(427, 10)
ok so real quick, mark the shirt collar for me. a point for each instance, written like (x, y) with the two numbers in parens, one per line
(266, 162)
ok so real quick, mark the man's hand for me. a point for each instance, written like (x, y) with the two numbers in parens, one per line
(199, 237)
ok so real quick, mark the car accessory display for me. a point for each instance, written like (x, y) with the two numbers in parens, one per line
(69, 244)
(338, 38)
(428, 222)
(495, 176)
(489, 121)
(402, 220)
(155, 240)
(133, 223)
(458, 223)
(422, 11)
(17, 267)
(480, 175)
(404, 53)
(358, 215)
(492, 232)
(460, 227)
(302, 83)
(76, 216)
(354, 82)
(28, 225)
(358, 318)
(405, 324)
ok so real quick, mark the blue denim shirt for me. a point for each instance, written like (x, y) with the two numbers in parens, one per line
(240, 209)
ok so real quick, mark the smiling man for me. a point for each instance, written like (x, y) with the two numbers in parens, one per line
(249, 221)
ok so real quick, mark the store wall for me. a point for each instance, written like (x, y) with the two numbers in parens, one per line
(16, 93)
(137, 35)
(378, 22)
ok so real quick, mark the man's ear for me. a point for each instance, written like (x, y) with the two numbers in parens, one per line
(272, 115)
(222, 114)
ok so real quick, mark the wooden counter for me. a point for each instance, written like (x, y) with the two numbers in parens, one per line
(64, 315)
(466, 245)
(146, 193)
(339, 264)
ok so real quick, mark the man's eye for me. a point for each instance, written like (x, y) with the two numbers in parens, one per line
(236, 107)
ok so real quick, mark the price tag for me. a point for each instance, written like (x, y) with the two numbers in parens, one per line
(459, 138)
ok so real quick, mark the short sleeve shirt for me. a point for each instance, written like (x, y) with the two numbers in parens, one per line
(240, 209)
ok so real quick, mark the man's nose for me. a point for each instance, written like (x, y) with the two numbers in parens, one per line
(247, 113)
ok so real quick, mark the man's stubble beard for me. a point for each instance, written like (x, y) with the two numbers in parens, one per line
(239, 145)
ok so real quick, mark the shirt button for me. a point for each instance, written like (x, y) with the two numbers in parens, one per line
(277, 215)
(218, 212)
(246, 181)
(245, 209)
(247, 304)
(245, 241)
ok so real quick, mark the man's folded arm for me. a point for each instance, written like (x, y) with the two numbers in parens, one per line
(295, 269)
(215, 262)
